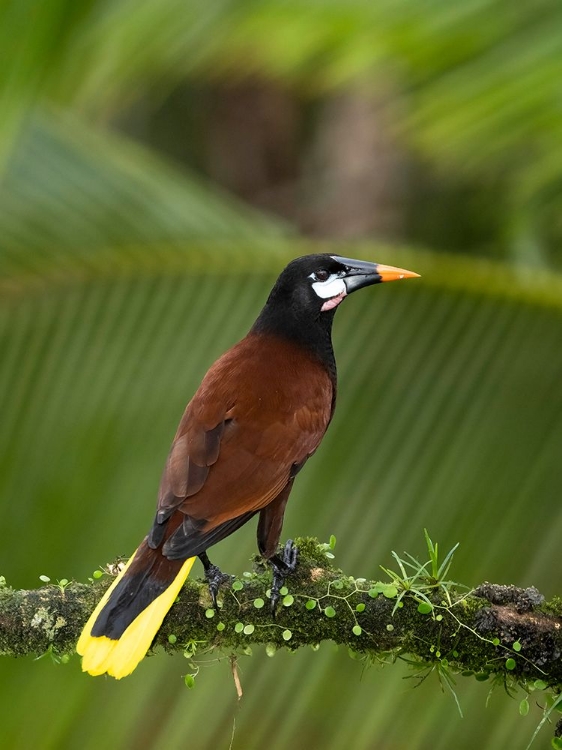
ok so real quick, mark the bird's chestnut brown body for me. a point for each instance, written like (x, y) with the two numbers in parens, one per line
(260, 412)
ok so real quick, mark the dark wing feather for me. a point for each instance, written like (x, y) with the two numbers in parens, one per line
(189, 539)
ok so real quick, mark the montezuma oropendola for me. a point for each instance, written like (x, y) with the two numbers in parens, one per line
(258, 415)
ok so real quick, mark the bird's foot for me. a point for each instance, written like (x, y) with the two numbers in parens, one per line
(215, 577)
(282, 567)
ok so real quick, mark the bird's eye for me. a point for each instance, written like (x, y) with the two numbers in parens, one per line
(322, 275)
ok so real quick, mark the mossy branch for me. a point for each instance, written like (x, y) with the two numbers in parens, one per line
(493, 631)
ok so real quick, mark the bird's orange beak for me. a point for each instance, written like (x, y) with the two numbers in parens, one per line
(390, 273)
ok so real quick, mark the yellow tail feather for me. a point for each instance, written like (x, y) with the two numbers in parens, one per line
(85, 637)
(120, 657)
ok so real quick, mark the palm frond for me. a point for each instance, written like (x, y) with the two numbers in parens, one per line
(449, 418)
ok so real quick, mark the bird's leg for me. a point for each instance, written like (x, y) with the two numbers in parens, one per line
(214, 577)
(282, 567)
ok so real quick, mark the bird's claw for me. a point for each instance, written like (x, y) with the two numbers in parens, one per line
(215, 577)
(282, 567)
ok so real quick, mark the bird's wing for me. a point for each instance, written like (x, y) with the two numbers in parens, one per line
(195, 449)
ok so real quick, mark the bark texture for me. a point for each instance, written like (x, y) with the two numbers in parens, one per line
(494, 631)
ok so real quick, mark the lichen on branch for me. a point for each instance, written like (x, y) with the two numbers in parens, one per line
(493, 632)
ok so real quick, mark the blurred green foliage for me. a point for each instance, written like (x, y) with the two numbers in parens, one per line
(123, 275)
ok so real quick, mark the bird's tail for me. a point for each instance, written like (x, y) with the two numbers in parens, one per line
(123, 625)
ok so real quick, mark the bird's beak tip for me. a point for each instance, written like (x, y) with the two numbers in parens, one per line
(390, 273)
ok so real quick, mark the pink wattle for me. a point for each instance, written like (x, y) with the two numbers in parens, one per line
(333, 302)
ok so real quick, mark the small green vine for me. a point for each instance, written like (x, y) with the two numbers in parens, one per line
(417, 615)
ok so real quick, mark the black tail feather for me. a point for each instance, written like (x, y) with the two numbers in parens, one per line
(148, 576)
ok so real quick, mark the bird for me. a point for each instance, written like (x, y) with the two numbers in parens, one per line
(258, 416)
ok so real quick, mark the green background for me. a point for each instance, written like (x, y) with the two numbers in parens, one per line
(124, 273)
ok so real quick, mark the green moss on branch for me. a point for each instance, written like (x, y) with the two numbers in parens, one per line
(494, 632)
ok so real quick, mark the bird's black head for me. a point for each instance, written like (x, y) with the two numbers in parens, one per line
(303, 301)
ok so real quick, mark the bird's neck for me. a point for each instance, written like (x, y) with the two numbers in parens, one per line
(315, 336)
